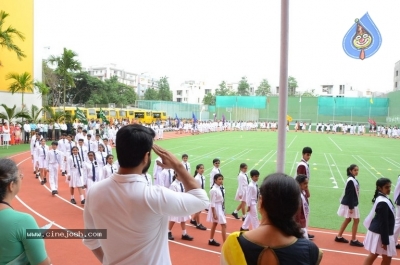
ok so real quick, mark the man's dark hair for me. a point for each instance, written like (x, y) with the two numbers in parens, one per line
(133, 142)
(307, 150)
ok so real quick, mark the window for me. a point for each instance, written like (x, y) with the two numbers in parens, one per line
(178, 100)
(179, 92)
(395, 84)
(397, 72)
(206, 91)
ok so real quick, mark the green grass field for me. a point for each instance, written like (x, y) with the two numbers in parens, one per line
(332, 154)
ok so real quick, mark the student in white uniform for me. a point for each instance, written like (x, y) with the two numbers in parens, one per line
(42, 153)
(108, 169)
(101, 159)
(199, 177)
(75, 174)
(379, 239)
(62, 148)
(82, 150)
(185, 162)
(216, 212)
(396, 198)
(304, 210)
(35, 142)
(157, 171)
(251, 200)
(89, 144)
(177, 186)
(215, 170)
(108, 148)
(55, 158)
(243, 183)
(92, 171)
(166, 177)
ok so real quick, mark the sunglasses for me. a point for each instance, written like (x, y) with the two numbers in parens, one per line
(216, 163)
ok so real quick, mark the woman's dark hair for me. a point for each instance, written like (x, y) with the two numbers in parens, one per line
(301, 178)
(101, 146)
(8, 173)
(280, 195)
(215, 160)
(133, 142)
(350, 168)
(242, 165)
(91, 152)
(216, 176)
(197, 168)
(108, 156)
(379, 184)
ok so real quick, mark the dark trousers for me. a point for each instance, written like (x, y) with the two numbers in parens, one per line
(57, 134)
(26, 137)
(50, 136)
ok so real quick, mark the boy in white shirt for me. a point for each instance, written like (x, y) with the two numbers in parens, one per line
(185, 162)
(251, 201)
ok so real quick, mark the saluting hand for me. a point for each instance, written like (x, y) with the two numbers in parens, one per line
(168, 159)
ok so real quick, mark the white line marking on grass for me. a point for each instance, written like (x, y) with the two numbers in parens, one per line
(389, 160)
(260, 160)
(291, 142)
(370, 165)
(259, 169)
(366, 167)
(340, 173)
(335, 186)
(335, 144)
(294, 163)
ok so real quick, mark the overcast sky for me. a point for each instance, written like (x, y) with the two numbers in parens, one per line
(215, 40)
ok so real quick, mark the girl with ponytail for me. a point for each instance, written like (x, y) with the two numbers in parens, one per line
(278, 203)
(379, 239)
(349, 207)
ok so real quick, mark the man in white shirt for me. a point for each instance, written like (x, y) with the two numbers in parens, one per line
(138, 236)
(27, 132)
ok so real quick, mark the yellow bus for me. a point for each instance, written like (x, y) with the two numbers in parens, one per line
(159, 115)
(143, 116)
(69, 111)
(122, 114)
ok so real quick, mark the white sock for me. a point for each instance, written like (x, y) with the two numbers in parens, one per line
(82, 198)
(235, 211)
(184, 232)
(72, 196)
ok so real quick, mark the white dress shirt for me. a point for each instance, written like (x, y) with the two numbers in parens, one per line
(133, 238)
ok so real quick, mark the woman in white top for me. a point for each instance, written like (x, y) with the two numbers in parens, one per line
(101, 159)
(243, 184)
(6, 134)
(92, 171)
(109, 169)
(177, 186)
(199, 177)
(75, 174)
(216, 212)
(42, 152)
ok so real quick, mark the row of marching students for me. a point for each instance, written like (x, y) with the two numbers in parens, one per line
(81, 167)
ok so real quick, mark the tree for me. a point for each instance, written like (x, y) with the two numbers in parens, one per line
(209, 99)
(66, 65)
(150, 94)
(21, 83)
(53, 115)
(34, 114)
(43, 91)
(164, 93)
(53, 82)
(264, 89)
(243, 87)
(7, 37)
(85, 86)
(223, 90)
(11, 114)
(292, 85)
(309, 93)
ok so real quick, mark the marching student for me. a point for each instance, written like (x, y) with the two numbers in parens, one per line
(216, 212)
(252, 195)
(185, 162)
(379, 239)
(89, 144)
(396, 197)
(157, 171)
(108, 169)
(166, 177)
(97, 142)
(101, 159)
(243, 183)
(215, 170)
(42, 153)
(79, 135)
(304, 210)
(75, 174)
(82, 150)
(108, 148)
(55, 158)
(349, 207)
(35, 142)
(62, 145)
(177, 186)
(303, 167)
(199, 177)
(92, 171)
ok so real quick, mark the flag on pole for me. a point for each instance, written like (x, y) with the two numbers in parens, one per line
(194, 118)
(81, 116)
(371, 101)
(288, 118)
(103, 117)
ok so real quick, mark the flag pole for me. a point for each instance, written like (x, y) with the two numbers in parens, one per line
(283, 86)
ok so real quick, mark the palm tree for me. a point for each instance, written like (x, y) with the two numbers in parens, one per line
(11, 114)
(44, 90)
(22, 83)
(54, 115)
(34, 114)
(8, 35)
(66, 65)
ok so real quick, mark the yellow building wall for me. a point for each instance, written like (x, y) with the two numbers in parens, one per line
(21, 18)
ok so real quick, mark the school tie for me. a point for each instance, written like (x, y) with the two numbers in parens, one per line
(223, 198)
(83, 159)
(182, 190)
(258, 192)
(79, 168)
(169, 174)
(202, 182)
(219, 171)
(112, 170)
(44, 152)
(89, 146)
(186, 167)
(55, 157)
(70, 147)
(248, 182)
(102, 158)
(93, 172)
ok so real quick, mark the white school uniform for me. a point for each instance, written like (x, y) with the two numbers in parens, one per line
(201, 180)
(35, 142)
(108, 171)
(396, 200)
(186, 165)
(251, 201)
(157, 171)
(75, 170)
(177, 186)
(90, 146)
(165, 178)
(214, 171)
(217, 197)
(55, 158)
(243, 183)
(83, 153)
(41, 155)
(107, 149)
(101, 162)
(344, 210)
(90, 180)
(62, 148)
(148, 179)
(306, 210)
